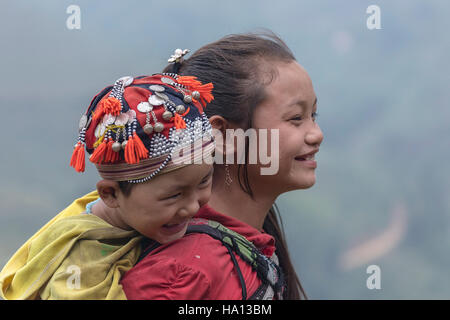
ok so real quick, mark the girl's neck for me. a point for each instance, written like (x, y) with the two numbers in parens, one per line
(235, 202)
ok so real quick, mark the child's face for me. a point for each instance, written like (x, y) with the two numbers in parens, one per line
(161, 208)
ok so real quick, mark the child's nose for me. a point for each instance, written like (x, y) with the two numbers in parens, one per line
(190, 209)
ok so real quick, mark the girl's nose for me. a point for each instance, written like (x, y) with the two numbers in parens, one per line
(314, 136)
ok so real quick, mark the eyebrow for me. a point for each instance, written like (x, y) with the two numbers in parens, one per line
(303, 103)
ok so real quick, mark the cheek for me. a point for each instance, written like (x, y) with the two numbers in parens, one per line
(148, 215)
(290, 144)
(204, 195)
(283, 142)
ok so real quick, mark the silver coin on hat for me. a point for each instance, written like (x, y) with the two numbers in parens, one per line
(122, 119)
(162, 96)
(167, 80)
(156, 88)
(88, 122)
(100, 130)
(109, 119)
(83, 122)
(144, 107)
(155, 100)
(131, 115)
(127, 80)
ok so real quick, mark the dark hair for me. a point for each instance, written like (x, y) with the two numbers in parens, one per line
(125, 187)
(240, 66)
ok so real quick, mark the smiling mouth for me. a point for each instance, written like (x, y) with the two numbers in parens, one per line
(170, 225)
(306, 158)
(174, 227)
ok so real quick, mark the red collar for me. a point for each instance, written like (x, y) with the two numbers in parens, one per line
(263, 241)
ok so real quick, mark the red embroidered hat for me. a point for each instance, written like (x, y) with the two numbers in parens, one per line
(132, 129)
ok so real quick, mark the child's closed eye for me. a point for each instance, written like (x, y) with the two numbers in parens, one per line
(173, 196)
(205, 181)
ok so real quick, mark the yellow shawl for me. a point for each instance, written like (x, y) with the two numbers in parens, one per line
(74, 256)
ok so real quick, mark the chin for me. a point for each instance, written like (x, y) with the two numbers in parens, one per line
(302, 182)
(163, 238)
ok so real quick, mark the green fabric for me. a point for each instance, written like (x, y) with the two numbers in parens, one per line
(246, 248)
(76, 257)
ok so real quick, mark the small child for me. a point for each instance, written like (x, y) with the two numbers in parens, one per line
(152, 145)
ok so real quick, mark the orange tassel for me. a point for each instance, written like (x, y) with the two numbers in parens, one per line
(112, 106)
(74, 155)
(189, 81)
(77, 159)
(109, 152)
(141, 151)
(130, 157)
(98, 114)
(193, 84)
(206, 93)
(109, 105)
(115, 157)
(80, 165)
(99, 153)
(179, 122)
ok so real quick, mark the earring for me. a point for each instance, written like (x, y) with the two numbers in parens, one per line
(228, 179)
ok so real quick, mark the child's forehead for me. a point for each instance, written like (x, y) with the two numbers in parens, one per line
(183, 176)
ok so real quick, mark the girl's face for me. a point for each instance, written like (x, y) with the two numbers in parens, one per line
(290, 106)
(161, 208)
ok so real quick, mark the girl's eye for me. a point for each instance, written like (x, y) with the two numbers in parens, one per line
(314, 116)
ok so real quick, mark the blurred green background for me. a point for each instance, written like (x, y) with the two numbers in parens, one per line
(383, 176)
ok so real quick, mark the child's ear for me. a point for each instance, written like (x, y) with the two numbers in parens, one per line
(108, 190)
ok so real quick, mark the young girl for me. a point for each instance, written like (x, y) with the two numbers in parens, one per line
(149, 132)
(257, 84)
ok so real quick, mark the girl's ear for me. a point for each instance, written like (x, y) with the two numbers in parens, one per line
(109, 190)
(219, 123)
(224, 149)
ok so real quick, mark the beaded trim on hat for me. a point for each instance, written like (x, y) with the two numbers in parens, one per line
(137, 173)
